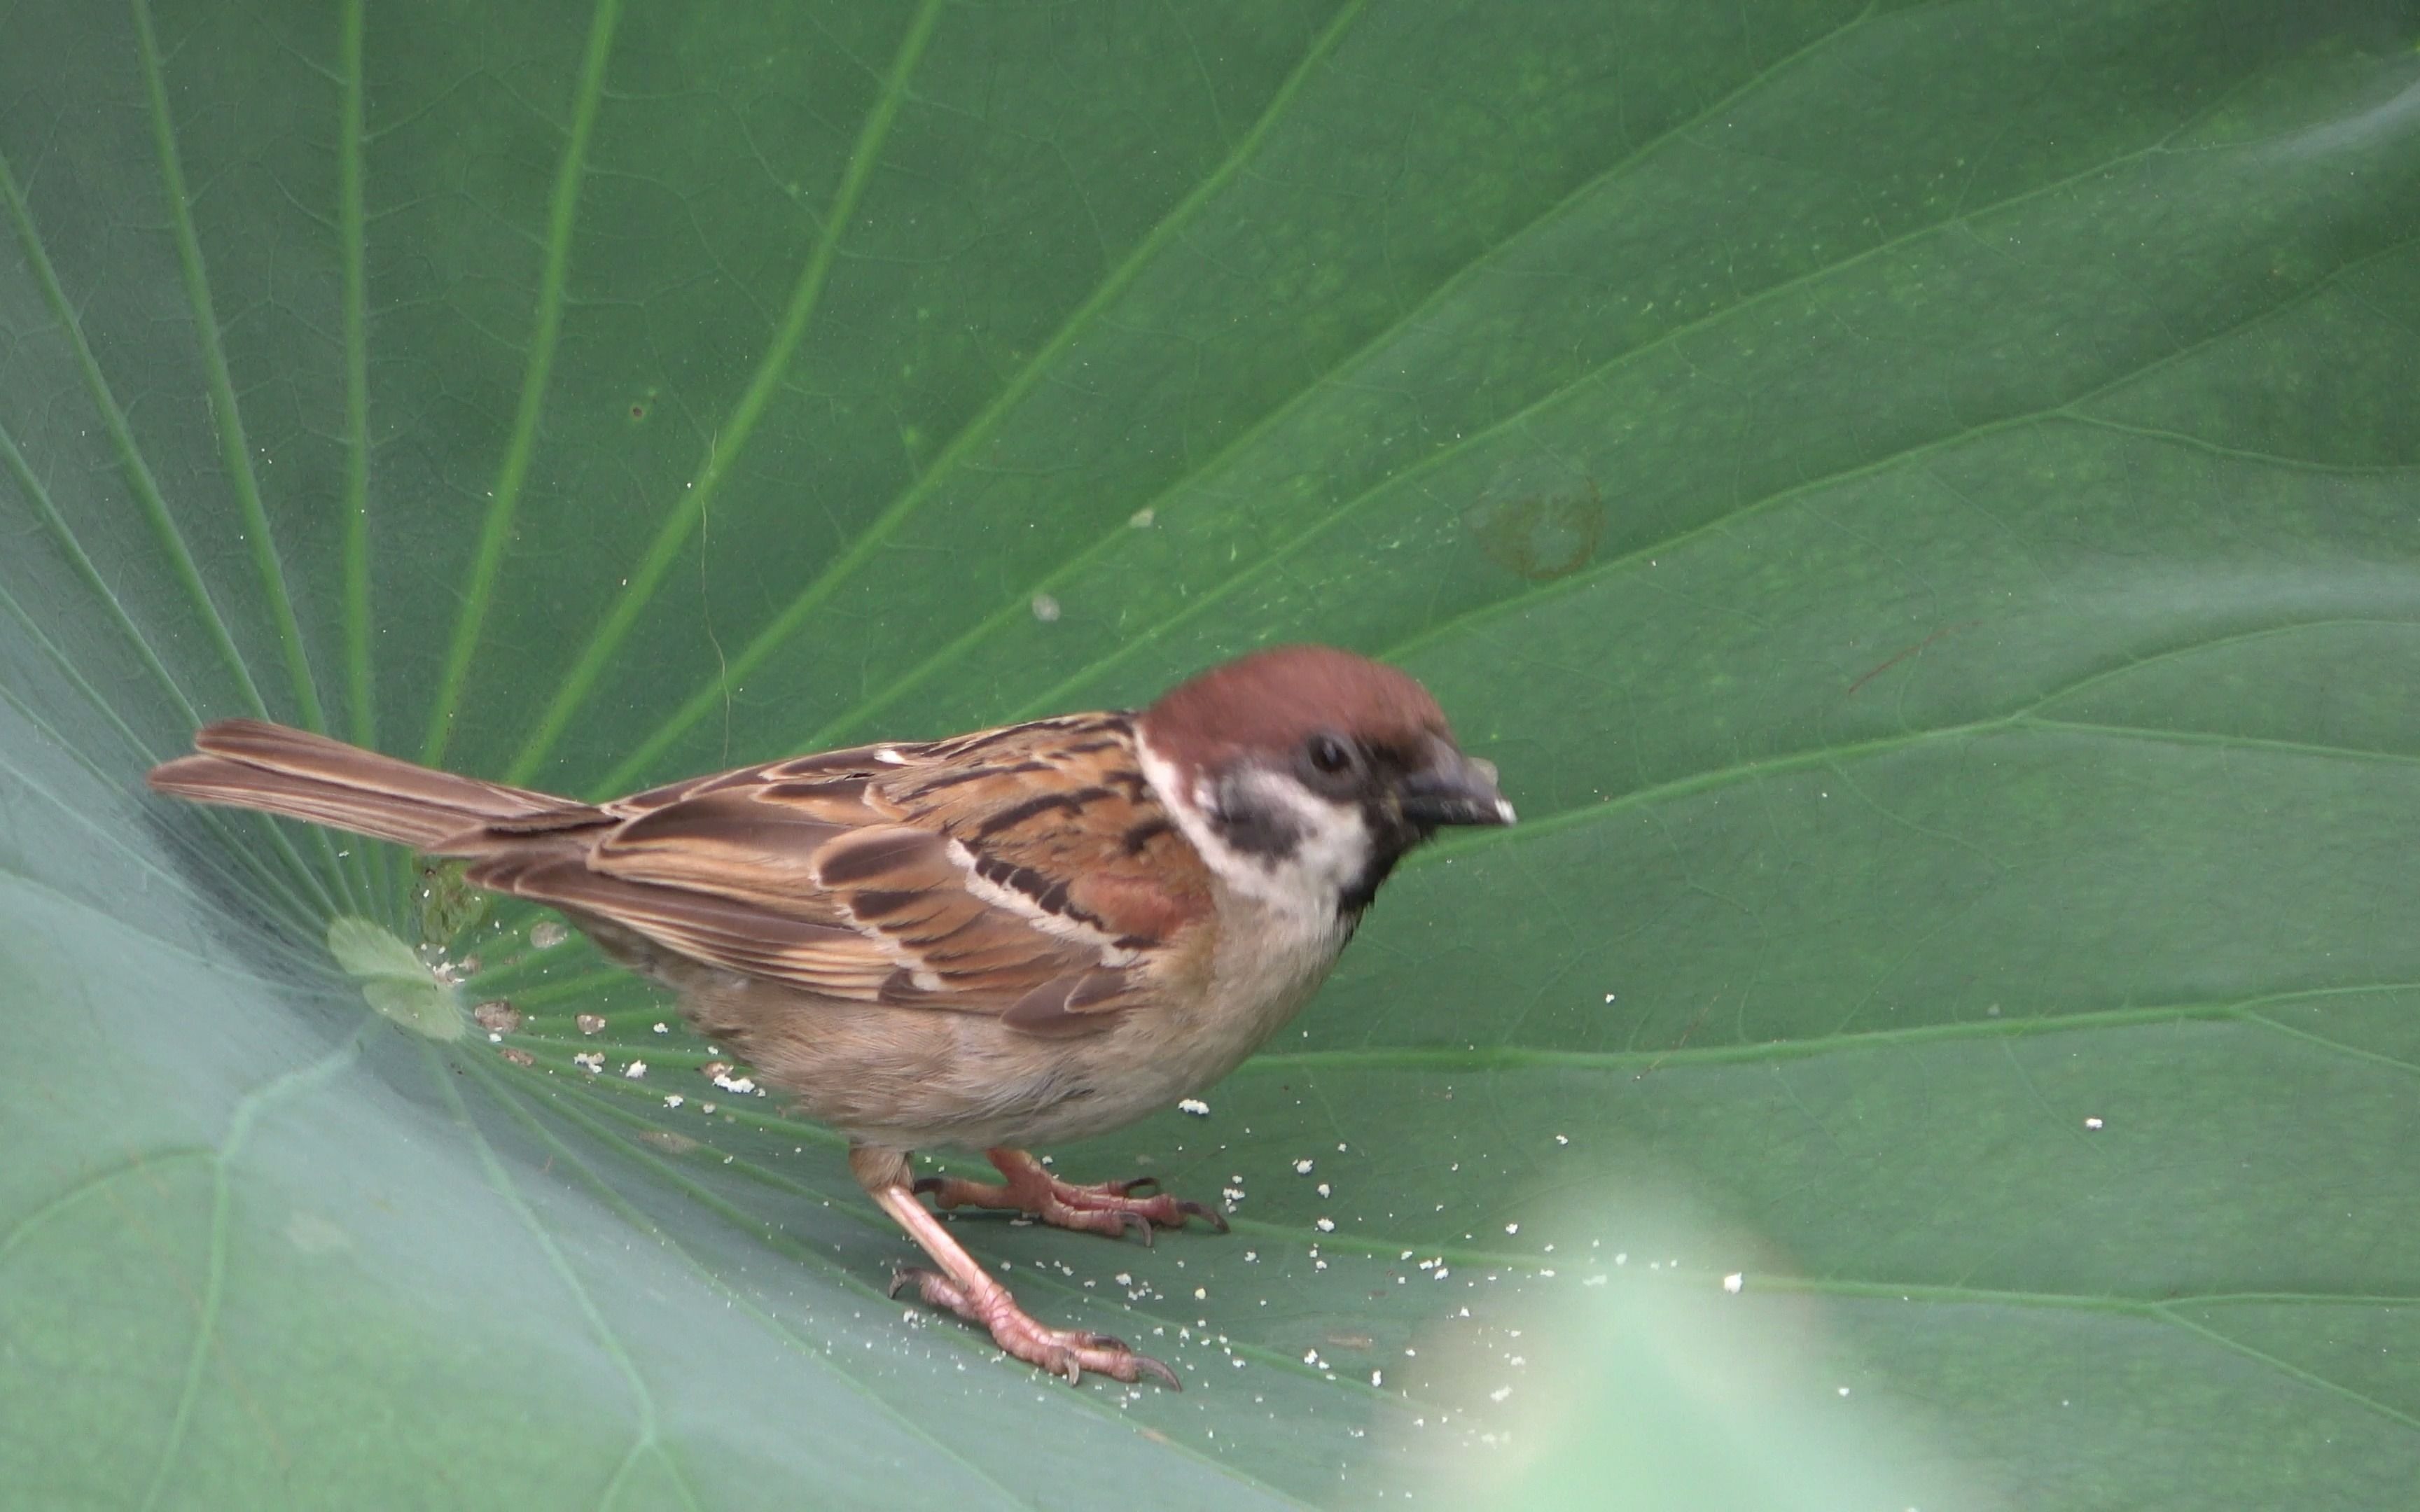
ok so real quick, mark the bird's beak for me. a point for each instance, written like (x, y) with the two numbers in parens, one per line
(1454, 788)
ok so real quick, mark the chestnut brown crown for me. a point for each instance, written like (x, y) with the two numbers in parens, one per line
(1270, 702)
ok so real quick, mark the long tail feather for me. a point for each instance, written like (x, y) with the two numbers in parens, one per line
(248, 763)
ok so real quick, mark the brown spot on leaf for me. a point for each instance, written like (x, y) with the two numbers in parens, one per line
(1541, 532)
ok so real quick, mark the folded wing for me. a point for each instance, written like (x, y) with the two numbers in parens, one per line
(1027, 871)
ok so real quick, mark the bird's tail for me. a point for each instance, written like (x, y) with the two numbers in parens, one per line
(248, 763)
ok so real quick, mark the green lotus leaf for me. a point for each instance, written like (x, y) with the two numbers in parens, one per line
(1918, 499)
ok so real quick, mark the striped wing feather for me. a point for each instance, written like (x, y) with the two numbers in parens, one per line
(1026, 872)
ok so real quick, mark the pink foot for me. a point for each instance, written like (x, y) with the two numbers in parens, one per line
(1061, 1352)
(1105, 1208)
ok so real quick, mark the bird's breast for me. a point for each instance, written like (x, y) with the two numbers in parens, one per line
(1266, 964)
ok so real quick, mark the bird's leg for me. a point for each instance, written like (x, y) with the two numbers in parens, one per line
(962, 1286)
(1104, 1208)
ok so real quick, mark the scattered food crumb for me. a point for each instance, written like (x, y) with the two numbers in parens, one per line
(1325, 1226)
(591, 1061)
(635, 1070)
(1732, 1283)
(1511, 1229)
(1500, 1394)
(662, 1027)
(589, 1022)
(1302, 1167)
(2093, 1123)
(673, 1100)
(1324, 1191)
(1195, 1107)
(1562, 1139)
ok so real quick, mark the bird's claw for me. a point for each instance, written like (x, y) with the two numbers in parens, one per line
(1217, 1219)
(1110, 1208)
(1061, 1352)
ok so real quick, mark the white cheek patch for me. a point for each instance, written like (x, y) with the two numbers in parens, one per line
(1330, 856)
(1221, 856)
(1334, 848)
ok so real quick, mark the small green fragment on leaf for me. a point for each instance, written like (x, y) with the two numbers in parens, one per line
(394, 980)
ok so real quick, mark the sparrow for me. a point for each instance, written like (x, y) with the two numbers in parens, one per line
(1036, 932)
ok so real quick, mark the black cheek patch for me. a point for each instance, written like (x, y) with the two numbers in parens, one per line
(1253, 828)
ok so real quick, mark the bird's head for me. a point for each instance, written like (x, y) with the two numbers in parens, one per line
(1303, 774)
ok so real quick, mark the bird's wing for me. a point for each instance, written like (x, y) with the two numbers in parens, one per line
(1027, 871)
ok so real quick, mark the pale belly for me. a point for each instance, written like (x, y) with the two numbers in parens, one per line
(919, 1078)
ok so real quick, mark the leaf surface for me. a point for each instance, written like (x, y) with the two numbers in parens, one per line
(1917, 499)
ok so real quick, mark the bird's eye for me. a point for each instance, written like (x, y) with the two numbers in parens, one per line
(1329, 754)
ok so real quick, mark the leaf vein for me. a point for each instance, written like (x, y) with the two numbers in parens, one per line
(495, 532)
